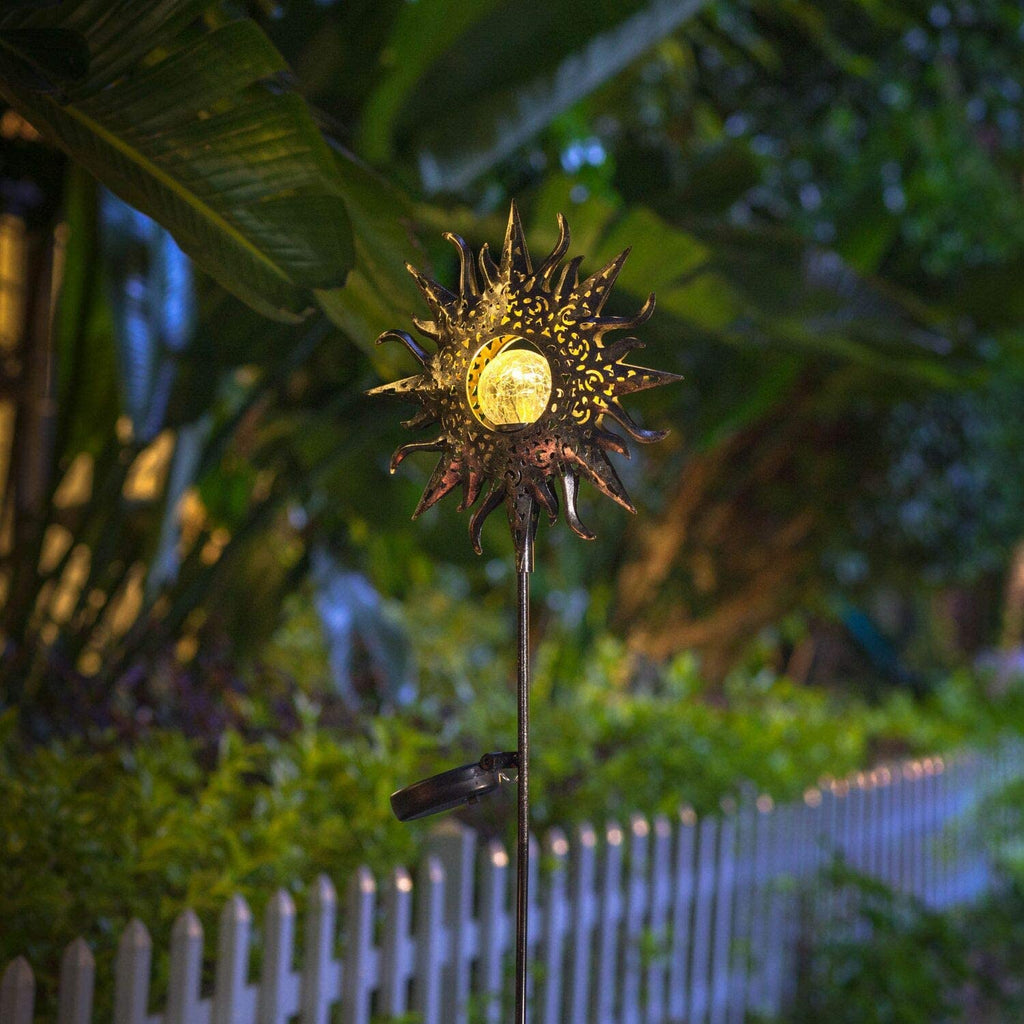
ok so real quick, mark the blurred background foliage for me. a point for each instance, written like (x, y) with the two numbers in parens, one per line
(825, 198)
(205, 211)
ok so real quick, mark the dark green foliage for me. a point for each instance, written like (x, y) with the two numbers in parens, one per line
(93, 838)
(913, 965)
(605, 749)
(161, 109)
(951, 457)
(1002, 813)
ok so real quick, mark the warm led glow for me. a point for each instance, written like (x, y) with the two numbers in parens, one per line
(514, 387)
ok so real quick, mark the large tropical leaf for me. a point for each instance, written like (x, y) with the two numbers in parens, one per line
(188, 118)
(379, 293)
(421, 34)
(747, 287)
(461, 99)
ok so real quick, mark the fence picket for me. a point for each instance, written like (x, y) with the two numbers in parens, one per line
(902, 801)
(703, 906)
(493, 928)
(725, 882)
(183, 1006)
(978, 790)
(657, 921)
(555, 915)
(918, 817)
(949, 834)
(892, 828)
(799, 865)
(17, 993)
(358, 974)
(846, 820)
(960, 842)
(967, 853)
(948, 827)
(131, 974)
(815, 857)
(533, 935)
(861, 824)
(861, 829)
(77, 970)
(455, 845)
(927, 839)
(743, 902)
(934, 832)
(683, 886)
(583, 866)
(231, 1002)
(762, 896)
(967, 857)
(397, 963)
(944, 839)
(953, 830)
(941, 837)
(606, 973)
(316, 977)
(278, 993)
(873, 830)
(633, 919)
(825, 904)
(879, 827)
(784, 930)
(431, 943)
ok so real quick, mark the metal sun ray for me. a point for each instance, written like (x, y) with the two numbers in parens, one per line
(561, 317)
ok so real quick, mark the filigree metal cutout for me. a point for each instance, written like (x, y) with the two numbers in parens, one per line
(550, 311)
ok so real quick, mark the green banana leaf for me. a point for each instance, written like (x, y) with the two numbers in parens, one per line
(379, 293)
(421, 34)
(188, 117)
(461, 99)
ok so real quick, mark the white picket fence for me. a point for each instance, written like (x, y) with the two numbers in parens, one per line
(691, 919)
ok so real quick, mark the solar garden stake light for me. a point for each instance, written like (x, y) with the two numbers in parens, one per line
(522, 385)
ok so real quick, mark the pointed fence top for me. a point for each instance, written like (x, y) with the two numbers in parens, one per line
(187, 925)
(135, 936)
(78, 954)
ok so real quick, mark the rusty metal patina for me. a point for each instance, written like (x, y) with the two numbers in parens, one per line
(549, 311)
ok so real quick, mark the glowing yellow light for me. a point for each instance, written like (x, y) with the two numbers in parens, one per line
(514, 387)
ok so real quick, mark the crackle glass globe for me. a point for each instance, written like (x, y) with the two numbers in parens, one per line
(515, 387)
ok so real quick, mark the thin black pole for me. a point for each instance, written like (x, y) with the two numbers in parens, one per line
(523, 845)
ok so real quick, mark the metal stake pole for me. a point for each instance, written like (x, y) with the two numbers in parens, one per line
(523, 846)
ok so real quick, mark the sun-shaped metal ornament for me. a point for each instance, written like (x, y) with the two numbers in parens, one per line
(522, 384)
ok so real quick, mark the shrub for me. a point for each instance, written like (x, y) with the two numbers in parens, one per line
(912, 965)
(97, 834)
(93, 838)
